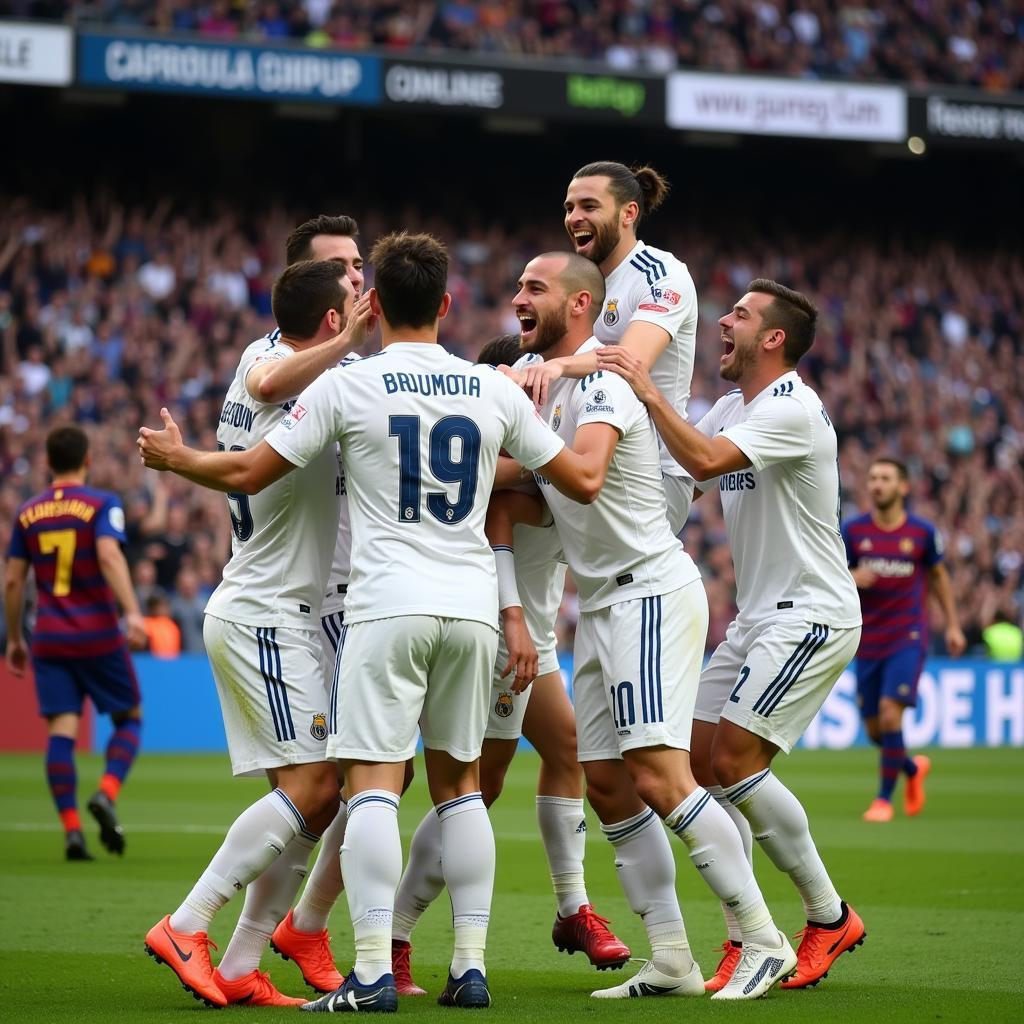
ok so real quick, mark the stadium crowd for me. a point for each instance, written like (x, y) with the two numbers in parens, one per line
(106, 313)
(955, 41)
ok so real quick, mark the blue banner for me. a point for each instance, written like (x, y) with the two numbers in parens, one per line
(155, 64)
(960, 704)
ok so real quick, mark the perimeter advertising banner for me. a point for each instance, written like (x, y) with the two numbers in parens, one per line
(524, 92)
(35, 54)
(961, 119)
(786, 107)
(155, 64)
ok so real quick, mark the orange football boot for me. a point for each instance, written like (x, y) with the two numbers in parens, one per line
(188, 955)
(913, 793)
(880, 810)
(253, 989)
(821, 947)
(732, 951)
(311, 952)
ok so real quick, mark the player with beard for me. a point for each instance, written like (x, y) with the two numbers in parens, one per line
(770, 448)
(895, 558)
(638, 649)
(650, 304)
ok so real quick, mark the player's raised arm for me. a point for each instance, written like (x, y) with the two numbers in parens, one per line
(246, 472)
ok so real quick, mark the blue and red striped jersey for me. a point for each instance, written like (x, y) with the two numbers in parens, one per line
(893, 608)
(56, 532)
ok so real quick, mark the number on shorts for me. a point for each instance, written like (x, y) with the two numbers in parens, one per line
(445, 467)
(735, 695)
(238, 505)
(63, 542)
(623, 706)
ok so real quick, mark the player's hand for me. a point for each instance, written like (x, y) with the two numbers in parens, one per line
(956, 642)
(361, 323)
(864, 577)
(630, 368)
(518, 377)
(135, 629)
(538, 377)
(156, 447)
(522, 654)
(17, 656)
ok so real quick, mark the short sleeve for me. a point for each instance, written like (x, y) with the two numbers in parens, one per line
(18, 546)
(313, 422)
(779, 430)
(272, 354)
(527, 437)
(934, 548)
(605, 398)
(670, 302)
(110, 522)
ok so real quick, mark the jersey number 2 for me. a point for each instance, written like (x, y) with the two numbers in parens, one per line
(443, 464)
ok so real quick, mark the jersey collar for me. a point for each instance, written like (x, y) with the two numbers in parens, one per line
(788, 380)
(625, 259)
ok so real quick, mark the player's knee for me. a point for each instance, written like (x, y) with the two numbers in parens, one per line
(410, 774)
(728, 768)
(612, 801)
(492, 783)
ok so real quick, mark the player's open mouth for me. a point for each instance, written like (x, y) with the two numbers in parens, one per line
(582, 238)
(729, 345)
(527, 323)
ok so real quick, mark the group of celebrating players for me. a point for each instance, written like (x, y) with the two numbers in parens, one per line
(402, 527)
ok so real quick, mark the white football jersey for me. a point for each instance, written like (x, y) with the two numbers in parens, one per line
(620, 547)
(341, 564)
(420, 431)
(283, 537)
(782, 514)
(653, 286)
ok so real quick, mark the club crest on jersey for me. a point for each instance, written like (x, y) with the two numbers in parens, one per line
(611, 313)
(906, 546)
(503, 705)
(556, 420)
(318, 730)
(865, 544)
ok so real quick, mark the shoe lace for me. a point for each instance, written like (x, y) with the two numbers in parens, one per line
(323, 950)
(729, 952)
(810, 939)
(400, 959)
(203, 944)
(590, 920)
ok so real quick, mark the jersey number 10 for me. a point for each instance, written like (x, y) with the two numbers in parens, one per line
(443, 465)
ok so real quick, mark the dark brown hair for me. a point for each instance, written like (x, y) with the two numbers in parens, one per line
(66, 448)
(504, 349)
(410, 275)
(303, 293)
(888, 460)
(791, 312)
(299, 245)
(641, 185)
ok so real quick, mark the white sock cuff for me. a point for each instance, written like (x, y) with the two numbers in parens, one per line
(686, 813)
(746, 788)
(373, 798)
(623, 830)
(561, 801)
(466, 802)
(280, 802)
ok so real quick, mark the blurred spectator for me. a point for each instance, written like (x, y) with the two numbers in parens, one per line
(960, 42)
(1004, 639)
(187, 607)
(162, 631)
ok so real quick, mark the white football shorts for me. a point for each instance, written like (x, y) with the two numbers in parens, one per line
(272, 684)
(771, 679)
(412, 669)
(637, 666)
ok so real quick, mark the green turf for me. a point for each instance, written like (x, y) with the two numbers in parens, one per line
(941, 897)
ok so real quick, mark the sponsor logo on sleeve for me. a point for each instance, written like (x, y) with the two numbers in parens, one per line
(670, 296)
(116, 518)
(653, 307)
(294, 415)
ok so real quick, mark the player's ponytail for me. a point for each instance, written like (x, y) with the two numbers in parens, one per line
(641, 185)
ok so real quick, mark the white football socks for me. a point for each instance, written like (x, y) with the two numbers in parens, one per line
(747, 838)
(779, 824)
(371, 860)
(467, 860)
(717, 852)
(647, 874)
(267, 899)
(258, 836)
(563, 830)
(324, 885)
(423, 879)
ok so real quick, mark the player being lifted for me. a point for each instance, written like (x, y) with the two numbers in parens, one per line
(650, 303)
(262, 634)
(420, 433)
(71, 536)
(770, 448)
(895, 558)
(639, 645)
(543, 714)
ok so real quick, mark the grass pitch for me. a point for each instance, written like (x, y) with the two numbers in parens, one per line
(941, 897)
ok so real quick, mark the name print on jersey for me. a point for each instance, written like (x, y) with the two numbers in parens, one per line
(453, 384)
(741, 481)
